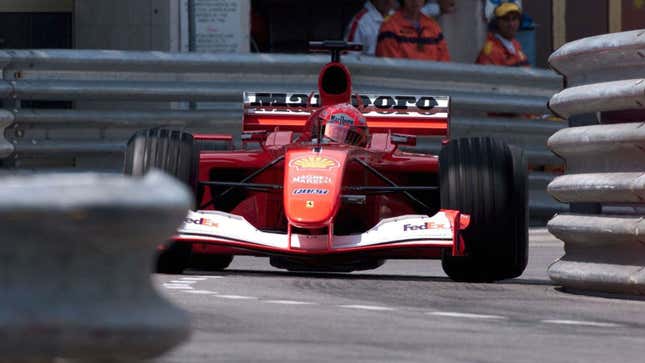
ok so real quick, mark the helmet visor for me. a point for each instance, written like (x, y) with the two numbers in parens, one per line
(346, 134)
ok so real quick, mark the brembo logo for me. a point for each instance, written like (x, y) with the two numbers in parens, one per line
(426, 225)
(314, 162)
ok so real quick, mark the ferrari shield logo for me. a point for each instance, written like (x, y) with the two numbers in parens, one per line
(309, 204)
(314, 162)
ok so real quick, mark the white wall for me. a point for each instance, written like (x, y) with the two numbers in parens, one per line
(123, 24)
(465, 30)
(220, 25)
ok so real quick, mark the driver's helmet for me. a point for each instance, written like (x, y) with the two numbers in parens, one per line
(344, 123)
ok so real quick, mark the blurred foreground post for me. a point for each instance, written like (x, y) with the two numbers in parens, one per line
(76, 252)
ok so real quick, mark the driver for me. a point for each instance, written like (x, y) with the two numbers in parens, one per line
(342, 123)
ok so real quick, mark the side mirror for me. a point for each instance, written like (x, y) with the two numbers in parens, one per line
(254, 136)
(402, 139)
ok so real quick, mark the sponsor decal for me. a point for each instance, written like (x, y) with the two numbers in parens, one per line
(314, 162)
(309, 204)
(342, 119)
(310, 191)
(426, 225)
(201, 222)
(311, 179)
(298, 102)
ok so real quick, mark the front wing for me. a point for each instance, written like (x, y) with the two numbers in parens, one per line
(441, 230)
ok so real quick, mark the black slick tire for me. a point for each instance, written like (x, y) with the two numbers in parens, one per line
(172, 151)
(173, 259)
(488, 180)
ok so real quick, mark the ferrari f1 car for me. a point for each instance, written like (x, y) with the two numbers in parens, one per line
(328, 187)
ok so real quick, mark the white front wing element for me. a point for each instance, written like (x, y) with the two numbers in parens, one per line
(408, 229)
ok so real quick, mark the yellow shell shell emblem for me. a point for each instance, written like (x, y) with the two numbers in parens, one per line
(314, 162)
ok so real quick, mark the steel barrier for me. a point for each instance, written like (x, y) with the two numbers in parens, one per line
(106, 95)
(605, 165)
(77, 252)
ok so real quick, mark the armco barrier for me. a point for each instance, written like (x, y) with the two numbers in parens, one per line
(114, 93)
(605, 164)
(76, 252)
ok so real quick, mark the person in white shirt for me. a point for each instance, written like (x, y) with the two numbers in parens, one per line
(364, 26)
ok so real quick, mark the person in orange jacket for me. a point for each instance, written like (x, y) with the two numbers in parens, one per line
(501, 47)
(408, 33)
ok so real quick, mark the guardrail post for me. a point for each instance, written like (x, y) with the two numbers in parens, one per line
(76, 253)
(6, 147)
(605, 158)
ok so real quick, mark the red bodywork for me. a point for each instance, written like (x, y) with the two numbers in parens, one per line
(315, 197)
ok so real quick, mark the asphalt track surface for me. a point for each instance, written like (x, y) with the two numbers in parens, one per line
(404, 311)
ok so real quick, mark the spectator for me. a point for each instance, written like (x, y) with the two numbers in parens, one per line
(366, 23)
(501, 47)
(408, 33)
(490, 6)
(436, 8)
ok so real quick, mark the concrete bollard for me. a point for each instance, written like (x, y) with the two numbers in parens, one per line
(76, 252)
(602, 253)
(605, 164)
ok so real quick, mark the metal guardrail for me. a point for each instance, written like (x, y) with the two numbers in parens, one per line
(77, 251)
(605, 165)
(115, 93)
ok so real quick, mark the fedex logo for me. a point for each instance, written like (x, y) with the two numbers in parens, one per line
(201, 221)
(426, 225)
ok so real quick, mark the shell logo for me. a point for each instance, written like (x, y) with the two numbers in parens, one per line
(314, 162)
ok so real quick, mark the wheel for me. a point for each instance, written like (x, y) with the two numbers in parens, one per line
(209, 262)
(171, 150)
(521, 216)
(173, 259)
(488, 180)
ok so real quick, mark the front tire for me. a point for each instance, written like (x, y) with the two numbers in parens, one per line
(173, 259)
(488, 180)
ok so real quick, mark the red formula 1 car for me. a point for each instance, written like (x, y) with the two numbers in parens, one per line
(328, 189)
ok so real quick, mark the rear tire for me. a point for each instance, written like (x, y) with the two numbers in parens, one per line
(488, 180)
(172, 151)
